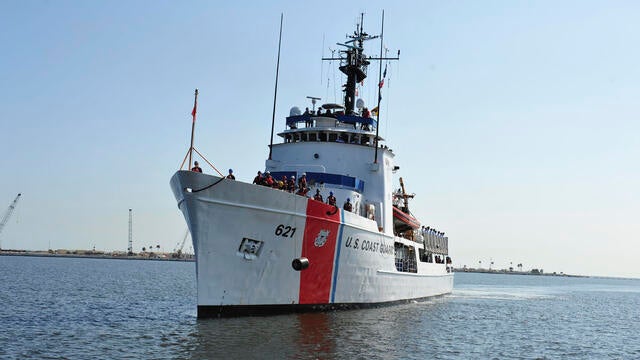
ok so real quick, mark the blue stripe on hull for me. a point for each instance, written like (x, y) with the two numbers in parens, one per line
(337, 258)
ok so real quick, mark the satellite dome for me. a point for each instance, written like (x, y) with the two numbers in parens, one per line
(359, 104)
(295, 111)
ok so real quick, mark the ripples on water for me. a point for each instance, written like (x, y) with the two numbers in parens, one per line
(93, 308)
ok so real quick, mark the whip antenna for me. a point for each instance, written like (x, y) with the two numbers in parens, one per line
(273, 116)
(375, 159)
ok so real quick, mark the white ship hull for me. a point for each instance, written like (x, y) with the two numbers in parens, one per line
(246, 236)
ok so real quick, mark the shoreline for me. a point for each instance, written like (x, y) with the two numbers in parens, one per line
(88, 254)
(507, 272)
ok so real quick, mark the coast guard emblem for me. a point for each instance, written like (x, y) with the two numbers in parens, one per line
(321, 239)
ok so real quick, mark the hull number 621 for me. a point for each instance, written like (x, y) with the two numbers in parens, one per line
(285, 230)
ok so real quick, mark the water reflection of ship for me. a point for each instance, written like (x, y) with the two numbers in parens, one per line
(315, 336)
(275, 337)
(294, 336)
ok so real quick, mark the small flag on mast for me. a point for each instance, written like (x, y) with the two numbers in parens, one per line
(384, 75)
(193, 112)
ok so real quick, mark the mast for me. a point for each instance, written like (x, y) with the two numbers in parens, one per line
(193, 127)
(375, 157)
(405, 197)
(354, 62)
(273, 116)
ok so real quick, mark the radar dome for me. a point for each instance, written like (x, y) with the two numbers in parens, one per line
(295, 111)
(359, 103)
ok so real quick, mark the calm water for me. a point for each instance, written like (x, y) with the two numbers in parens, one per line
(113, 309)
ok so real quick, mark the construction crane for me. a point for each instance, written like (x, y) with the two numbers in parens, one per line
(7, 215)
(177, 252)
(130, 248)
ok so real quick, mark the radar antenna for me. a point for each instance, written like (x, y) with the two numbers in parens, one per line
(313, 101)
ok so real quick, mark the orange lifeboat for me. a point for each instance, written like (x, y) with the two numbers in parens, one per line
(403, 221)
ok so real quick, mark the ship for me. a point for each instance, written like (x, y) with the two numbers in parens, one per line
(263, 250)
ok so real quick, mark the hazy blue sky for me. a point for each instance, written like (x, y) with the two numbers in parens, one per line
(516, 123)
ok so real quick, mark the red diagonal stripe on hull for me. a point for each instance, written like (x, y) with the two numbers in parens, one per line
(318, 245)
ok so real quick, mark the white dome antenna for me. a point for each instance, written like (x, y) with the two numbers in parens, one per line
(359, 104)
(295, 111)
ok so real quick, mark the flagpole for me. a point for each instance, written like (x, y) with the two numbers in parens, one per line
(273, 116)
(193, 126)
(375, 159)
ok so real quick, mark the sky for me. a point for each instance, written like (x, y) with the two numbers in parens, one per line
(516, 123)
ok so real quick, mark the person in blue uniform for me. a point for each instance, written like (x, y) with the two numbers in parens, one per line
(347, 205)
(230, 176)
(331, 200)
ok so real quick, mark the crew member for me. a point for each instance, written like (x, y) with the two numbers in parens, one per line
(308, 121)
(331, 200)
(268, 180)
(196, 168)
(347, 205)
(318, 196)
(230, 176)
(302, 182)
(291, 184)
(258, 179)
